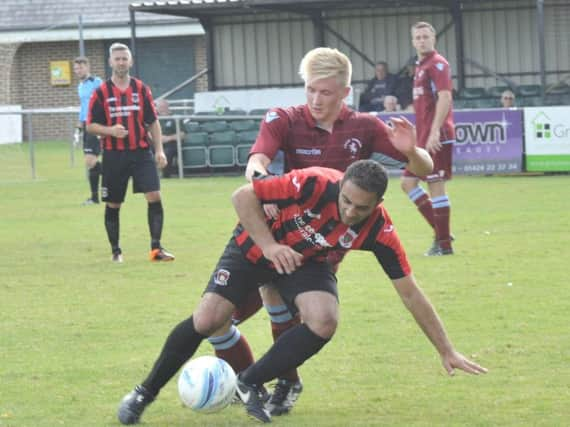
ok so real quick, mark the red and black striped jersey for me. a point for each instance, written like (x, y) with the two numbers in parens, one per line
(309, 222)
(133, 108)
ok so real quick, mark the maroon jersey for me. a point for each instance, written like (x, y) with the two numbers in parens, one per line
(432, 75)
(132, 108)
(355, 136)
(309, 222)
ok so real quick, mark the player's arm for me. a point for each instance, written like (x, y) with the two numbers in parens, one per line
(402, 135)
(442, 107)
(116, 131)
(257, 162)
(156, 137)
(252, 218)
(96, 120)
(428, 320)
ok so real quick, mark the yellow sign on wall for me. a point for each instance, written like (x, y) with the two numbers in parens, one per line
(60, 72)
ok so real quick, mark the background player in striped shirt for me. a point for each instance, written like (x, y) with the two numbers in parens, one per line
(434, 123)
(322, 212)
(91, 145)
(121, 111)
(322, 132)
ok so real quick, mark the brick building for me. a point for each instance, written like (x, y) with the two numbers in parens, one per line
(33, 34)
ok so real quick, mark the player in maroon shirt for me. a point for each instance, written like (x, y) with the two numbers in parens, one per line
(120, 111)
(322, 132)
(435, 132)
(320, 211)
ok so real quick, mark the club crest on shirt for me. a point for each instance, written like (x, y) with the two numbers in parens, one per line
(270, 116)
(353, 145)
(347, 238)
(135, 98)
(440, 66)
(221, 277)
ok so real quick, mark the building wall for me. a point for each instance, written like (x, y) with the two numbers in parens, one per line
(32, 88)
(265, 49)
(25, 80)
(7, 52)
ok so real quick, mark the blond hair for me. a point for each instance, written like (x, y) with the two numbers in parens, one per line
(422, 24)
(118, 46)
(325, 62)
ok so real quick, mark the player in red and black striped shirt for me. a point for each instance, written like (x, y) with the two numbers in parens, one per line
(322, 132)
(321, 211)
(122, 112)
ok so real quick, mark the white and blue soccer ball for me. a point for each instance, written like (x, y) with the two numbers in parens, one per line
(207, 384)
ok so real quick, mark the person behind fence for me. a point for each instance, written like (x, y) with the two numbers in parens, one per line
(330, 212)
(122, 112)
(91, 144)
(169, 137)
(405, 87)
(391, 104)
(508, 99)
(383, 83)
(436, 133)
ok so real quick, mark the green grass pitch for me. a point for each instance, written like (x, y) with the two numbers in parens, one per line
(77, 332)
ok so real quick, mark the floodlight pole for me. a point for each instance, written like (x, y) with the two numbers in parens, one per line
(133, 25)
(541, 46)
(81, 40)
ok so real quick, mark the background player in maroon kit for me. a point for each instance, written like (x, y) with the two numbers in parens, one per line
(322, 132)
(436, 133)
(120, 111)
(321, 211)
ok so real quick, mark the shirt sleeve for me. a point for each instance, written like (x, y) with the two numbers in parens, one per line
(96, 113)
(272, 133)
(286, 189)
(440, 75)
(383, 146)
(390, 252)
(149, 113)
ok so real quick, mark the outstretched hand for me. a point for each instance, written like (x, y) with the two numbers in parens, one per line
(403, 134)
(456, 360)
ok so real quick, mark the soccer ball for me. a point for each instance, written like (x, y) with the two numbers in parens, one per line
(207, 384)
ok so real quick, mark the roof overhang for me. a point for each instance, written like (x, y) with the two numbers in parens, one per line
(211, 8)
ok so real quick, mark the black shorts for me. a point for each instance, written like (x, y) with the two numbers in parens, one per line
(91, 143)
(235, 277)
(119, 166)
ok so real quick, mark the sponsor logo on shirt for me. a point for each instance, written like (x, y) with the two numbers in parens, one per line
(270, 116)
(347, 238)
(310, 234)
(353, 145)
(308, 151)
(295, 182)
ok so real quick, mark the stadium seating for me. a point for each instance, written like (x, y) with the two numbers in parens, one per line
(191, 127)
(528, 90)
(234, 113)
(243, 125)
(258, 112)
(497, 91)
(208, 113)
(557, 95)
(214, 126)
(244, 141)
(473, 93)
(221, 149)
(194, 151)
